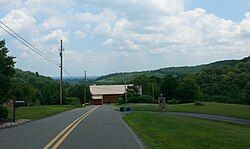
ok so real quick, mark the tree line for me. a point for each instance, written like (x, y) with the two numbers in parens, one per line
(34, 88)
(227, 82)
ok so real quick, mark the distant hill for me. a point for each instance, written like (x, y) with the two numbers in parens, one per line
(128, 76)
(75, 80)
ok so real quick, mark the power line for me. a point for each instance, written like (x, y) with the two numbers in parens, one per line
(41, 53)
(64, 69)
(44, 18)
(30, 47)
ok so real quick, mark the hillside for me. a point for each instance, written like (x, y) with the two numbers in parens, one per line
(128, 76)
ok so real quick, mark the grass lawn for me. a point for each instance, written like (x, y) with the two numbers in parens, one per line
(161, 131)
(234, 110)
(39, 112)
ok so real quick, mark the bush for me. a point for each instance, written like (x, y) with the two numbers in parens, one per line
(141, 99)
(3, 111)
(198, 103)
(173, 101)
(75, 102)
(220, 98)
(122, 109)
(120, 100)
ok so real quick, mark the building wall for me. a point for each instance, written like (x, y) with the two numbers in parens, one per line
(110, 98)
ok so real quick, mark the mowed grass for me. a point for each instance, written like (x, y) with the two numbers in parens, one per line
(233, 110)
(39, 112)
(161, 131)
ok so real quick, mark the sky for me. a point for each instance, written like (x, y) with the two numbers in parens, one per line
(107, 36)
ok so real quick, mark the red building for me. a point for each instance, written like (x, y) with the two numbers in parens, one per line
(105, 94)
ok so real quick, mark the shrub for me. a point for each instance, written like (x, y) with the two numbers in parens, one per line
(198, 103)
(122, 109)
(220, 98)
(120, 100)
(173, 101)
(141, 99)
(75, 102)
(3, 111)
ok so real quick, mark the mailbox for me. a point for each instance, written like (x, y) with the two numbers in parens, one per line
(16, 104)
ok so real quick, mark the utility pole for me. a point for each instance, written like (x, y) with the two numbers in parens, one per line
(61, 73)
(85, 86)
(153, 91)
(126, 95)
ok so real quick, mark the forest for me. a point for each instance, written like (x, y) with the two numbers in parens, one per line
(32, 87)
(226, 82)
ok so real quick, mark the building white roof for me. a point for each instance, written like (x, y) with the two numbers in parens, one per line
(108, 89)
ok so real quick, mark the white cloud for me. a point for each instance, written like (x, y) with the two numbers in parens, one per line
(130, 44)
(106, 15)
(54, 22)
(121, 27)
(73, 56)
(108, 42)
(55, 36)
(80, 34)
(149, 29)
(102, 29)
(160, 51)
(19, 20)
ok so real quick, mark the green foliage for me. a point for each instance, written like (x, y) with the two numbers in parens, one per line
(77, 91)
(160, 73)
(169, 87)
(6, 71)
(134, 96)
(121, 100)
(173, 101)
(74, 101)
(228, 83)
(50, 94)
(198, 103)
(188, 90)
(149, 85)
(225, 81)
(141, 99)
(3, 111)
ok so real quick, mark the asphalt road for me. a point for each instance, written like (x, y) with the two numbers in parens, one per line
(205, 116)
(212, 117)
(104, 128)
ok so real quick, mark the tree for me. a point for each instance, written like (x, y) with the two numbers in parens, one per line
(247, 93)
(50, 94)
(188, 90)
(146, 84)
(78, 90)
(7, 71)
(169, 87)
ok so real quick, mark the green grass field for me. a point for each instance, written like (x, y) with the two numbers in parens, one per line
(39, 112)
(234, 110)
(161, 131)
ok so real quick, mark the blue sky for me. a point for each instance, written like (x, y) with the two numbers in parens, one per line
(106, 36)
(229, 9)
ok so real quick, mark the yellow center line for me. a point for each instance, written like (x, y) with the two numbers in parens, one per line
(54, 143)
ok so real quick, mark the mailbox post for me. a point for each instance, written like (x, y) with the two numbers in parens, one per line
(17, 103)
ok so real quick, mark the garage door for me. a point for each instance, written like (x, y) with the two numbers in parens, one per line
(110, 99)
(96, 101)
